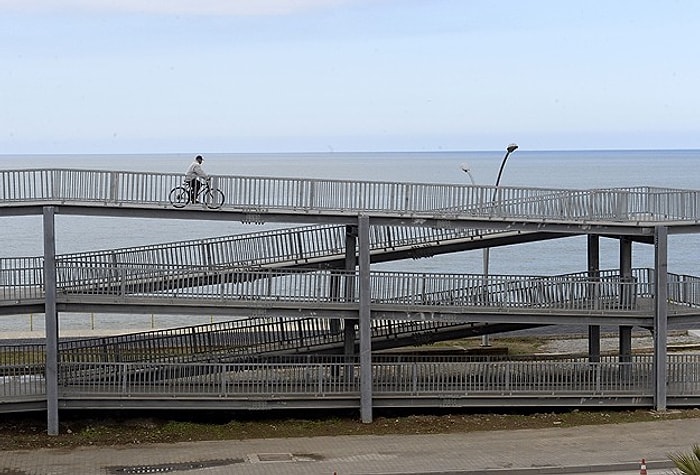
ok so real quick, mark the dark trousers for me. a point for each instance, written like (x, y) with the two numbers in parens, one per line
(195, 185)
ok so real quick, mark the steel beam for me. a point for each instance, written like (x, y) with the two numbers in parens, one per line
(412, 402)
(386, 312)
(423, 219)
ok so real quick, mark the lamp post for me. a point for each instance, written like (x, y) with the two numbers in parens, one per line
(509, 149)
(467, 169)
(485, 256)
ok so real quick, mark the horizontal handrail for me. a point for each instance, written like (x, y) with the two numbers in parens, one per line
(263, 194)
(280, 246)
(605, 291)
(314, 377)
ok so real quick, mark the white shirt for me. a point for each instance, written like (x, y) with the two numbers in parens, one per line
(194, 171)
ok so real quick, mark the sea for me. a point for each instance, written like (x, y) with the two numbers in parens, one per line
(588, 169)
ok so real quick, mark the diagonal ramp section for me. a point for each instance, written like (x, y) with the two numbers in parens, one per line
(302, 246)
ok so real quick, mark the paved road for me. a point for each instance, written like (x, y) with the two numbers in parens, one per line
(610, 449)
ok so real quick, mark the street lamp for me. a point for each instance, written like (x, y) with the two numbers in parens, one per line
(485, 256)
(509, 149)
(467, 169)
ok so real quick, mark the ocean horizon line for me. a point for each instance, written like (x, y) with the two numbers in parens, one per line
(352, 152)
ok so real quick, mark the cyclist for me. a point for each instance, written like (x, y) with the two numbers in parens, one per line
(193, 175)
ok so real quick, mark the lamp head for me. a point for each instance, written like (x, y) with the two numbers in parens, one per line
(512, 148)
(465, 167)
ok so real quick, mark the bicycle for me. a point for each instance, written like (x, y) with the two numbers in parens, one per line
(181, 196)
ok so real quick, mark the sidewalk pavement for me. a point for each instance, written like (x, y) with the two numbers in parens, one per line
(615, 448)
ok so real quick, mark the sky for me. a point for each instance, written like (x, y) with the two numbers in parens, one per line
(181, 76)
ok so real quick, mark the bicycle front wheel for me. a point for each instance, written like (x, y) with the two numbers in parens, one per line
(179, 196)
(214, 199)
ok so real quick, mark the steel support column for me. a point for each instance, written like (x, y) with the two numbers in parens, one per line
(365, 324)
(350, 265)
(51, 318)
(660, 316)
(594, 343)
(625, 344)
(625, 296)
(626, 271)
(594, 294)
(335, 293)
(625, 355)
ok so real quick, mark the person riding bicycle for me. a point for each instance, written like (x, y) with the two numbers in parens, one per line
(194, 174)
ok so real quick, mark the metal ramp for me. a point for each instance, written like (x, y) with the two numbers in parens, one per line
(249, 338)
(321, 245)
(292, 247)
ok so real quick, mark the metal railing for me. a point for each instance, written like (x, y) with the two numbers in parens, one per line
(22, 278)
(684, 375)
(263, 194)
(318, 377)
(224, 341)
(683, 290)
(22, 369)
(607, 291)
(24, 275)
(245, 338)
(282, 246)
(566, 292)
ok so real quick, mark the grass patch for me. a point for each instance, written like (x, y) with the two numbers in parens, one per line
(515, 346)
(29, 432)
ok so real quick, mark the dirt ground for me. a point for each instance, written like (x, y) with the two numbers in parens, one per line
(22, 432)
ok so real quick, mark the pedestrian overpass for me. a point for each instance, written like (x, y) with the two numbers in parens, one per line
(321, 273)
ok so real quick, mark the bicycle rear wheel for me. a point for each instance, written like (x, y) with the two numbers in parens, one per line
(179, 196)
(214, 199)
